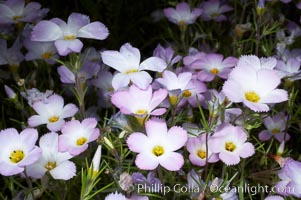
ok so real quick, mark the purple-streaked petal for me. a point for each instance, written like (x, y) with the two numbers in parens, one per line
(172, 162)
(94, 30)
(65, 171)
(66, 76)
(146, 161)
(46, 31)
(280, 137)
(77, 21)
(153, 64)
(136, 146)
(205, 76)
(264, 135)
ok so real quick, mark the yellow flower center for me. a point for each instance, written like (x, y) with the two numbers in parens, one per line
(141, 112)
(275, 131)
(230, 146)
(81, 141)
(50, 165)
(214, 14)
(252, 96)
(214, 71)
(16, 156)
(53, 119)
(187, 93)
(69, 37)
(110, 89)
(46, 55)
(131, 71)
(201, 154)
(17, 17)
(173, 100)
(158, 150)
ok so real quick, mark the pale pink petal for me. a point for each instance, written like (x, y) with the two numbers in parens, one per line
(194, 159)
(116, 60)
(142, 79)
(184, 78)
(65, 171)
(264, 135)
(233, 91)
(158, 112)
(94, 30)
(9, 169)
(64, 47)
(120, 80)
(76, 21)
(76, 150)
(89, 123)
(249, 62)
(56, 126)
(153, 64)
(123, 101)
(172, 161)
(146, 161)
(268, 63)
(37, 120)
(216, 145)
(158, 97)
(176, 137)
(63, 142)
(37, 170)
(46, 31)
(229, 158)
(69, 110)
(246, 150)
(229, 62)
(131, 54)
(94, 135)
(280, 137)
(257, 107)
(275, 96)
(205, 76)
(156, 129)
(135, 140)
(271, 84)
(29, 136)
(31, 157)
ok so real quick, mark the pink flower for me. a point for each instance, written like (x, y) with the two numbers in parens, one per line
(76, 135)
(158, 146)
(213, 65)
(127, 62)
(253, 82)
(230, 144)
(196, 146)
(276, 126)
(139, 102)
(52, 161)
(213, 10)
(52, 112)
(182, 15)
(290, 184)
(17, 150)
(65, 34)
